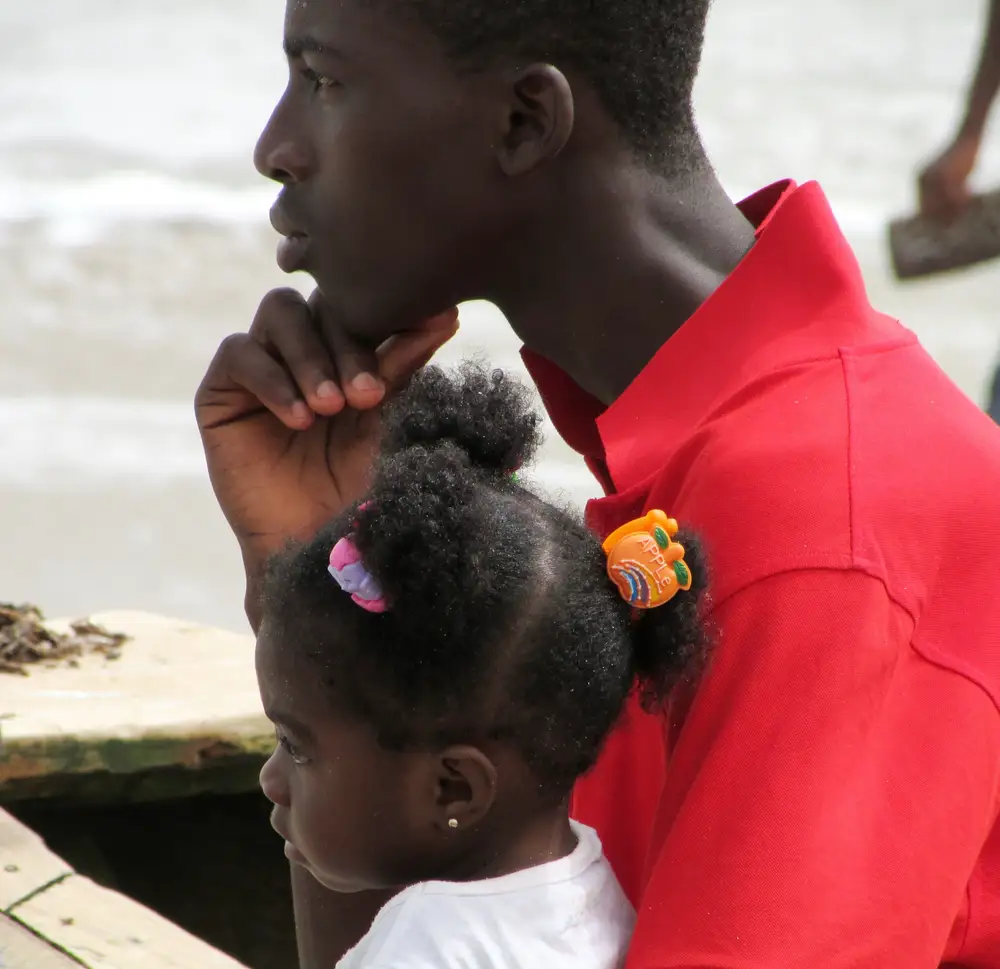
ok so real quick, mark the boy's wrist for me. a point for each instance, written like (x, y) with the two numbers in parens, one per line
(254, 564)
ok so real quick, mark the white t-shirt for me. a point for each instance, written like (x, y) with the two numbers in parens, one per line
(565, 914)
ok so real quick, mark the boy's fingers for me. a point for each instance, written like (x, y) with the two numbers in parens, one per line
(286, 328)
(242, 374)
(356, 363)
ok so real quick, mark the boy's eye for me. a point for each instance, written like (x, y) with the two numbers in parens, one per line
(289, 748)
(318, 81)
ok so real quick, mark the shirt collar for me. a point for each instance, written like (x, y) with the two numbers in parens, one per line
(799, 273)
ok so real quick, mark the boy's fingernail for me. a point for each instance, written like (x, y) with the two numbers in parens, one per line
(328, 389)
(366, 383)
(300, 412)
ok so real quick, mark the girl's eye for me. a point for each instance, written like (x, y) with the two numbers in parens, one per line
(289, 748)
(318, 81)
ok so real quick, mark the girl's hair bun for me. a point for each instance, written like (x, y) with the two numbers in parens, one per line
(484, 413)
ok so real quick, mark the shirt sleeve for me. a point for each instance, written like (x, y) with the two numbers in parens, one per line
(828, 794)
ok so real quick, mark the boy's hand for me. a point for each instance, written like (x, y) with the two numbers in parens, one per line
(289, 416)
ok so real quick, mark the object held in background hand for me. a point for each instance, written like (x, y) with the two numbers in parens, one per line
(921, 246)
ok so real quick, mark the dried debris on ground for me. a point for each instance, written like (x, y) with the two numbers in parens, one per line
(26, 641)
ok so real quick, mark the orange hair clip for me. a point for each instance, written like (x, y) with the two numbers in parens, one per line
(644, 561)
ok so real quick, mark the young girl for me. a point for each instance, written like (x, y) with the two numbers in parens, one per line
(441, 664)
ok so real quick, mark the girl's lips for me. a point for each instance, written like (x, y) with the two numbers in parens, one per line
(293, 854)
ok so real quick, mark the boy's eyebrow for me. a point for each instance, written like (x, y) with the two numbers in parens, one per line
(297, 46)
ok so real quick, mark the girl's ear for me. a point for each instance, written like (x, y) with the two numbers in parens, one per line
(465, 788)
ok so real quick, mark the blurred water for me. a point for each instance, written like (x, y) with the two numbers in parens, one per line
(133, 236)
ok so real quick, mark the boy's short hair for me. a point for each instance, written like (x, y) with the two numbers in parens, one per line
(640, 56)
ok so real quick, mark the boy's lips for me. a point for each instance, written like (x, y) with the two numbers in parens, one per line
(294, 248)
(282, 222)
(292, 253)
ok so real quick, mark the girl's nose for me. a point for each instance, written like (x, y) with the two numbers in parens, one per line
(273, 784)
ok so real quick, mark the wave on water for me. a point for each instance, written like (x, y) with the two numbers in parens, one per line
(72, 444)
(61, 443)
(78, 211)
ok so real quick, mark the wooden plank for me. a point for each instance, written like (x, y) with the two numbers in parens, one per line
(21, 949)
(180, 695)
(105, 930)
(26, 865)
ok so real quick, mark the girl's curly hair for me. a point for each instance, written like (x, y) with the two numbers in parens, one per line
(503, 623)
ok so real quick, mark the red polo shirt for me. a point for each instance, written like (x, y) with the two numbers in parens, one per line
(829, 796)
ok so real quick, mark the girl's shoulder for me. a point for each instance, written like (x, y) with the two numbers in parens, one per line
(568, 913)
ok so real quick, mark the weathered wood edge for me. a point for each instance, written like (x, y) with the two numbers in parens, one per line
(54, 751)
(27, 865)
(225, 758)
(203, 747)
(21, 948)
(52, 912)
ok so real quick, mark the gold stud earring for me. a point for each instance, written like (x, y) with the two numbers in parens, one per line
(453, 823)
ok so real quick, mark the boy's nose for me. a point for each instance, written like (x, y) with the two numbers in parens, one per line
(283, 162)
(281, 154)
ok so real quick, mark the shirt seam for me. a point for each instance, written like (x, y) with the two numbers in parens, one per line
(852, 531)
(831, 355)
(956, 669)
(593, 855)
(430, 892)
(945, 668)
(854, 560)
(871, 571)
(709, 411)
(847, 563)
(968, 915)
(971, 886)
(904, 342)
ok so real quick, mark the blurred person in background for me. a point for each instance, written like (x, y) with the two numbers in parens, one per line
(944, 182)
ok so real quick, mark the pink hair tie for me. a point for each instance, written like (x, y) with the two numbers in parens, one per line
(351, 575)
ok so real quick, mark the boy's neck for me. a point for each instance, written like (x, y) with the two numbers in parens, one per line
(603, 286)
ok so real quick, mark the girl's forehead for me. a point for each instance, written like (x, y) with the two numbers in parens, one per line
(283, 671)
(292, 690)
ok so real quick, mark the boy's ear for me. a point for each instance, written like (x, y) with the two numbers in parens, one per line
(538, 118)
